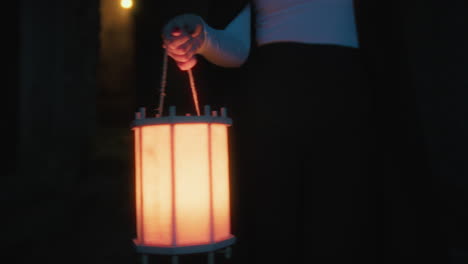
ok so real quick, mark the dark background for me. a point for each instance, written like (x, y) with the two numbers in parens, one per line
(67, 181)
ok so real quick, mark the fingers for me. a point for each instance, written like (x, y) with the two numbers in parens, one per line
(181, 58)
(182, 36)
(183, 49)
(185, 66)
(176, 32)
(174, 42)
(191, 26)
(183, 55)
(187, 24)
(173, 28)
(197, 31)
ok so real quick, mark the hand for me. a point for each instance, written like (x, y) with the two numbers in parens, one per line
(182, 38)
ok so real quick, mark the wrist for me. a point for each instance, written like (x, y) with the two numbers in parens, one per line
(207, 33)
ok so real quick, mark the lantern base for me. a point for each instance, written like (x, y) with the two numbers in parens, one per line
(182, 250)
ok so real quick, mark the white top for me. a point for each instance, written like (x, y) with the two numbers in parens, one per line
(301, 21)
(306, 21)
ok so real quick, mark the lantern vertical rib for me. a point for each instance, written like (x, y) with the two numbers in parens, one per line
(173, 180)
(140, 176)
(210, 173)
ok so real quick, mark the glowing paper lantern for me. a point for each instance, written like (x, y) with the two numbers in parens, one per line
(182, 183)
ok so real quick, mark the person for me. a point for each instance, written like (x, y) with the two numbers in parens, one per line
(303, 137)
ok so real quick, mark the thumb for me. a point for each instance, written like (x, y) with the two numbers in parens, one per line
(198, 29)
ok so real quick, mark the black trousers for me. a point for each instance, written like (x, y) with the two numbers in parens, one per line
(303, 145)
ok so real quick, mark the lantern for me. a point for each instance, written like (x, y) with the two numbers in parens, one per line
(182, 184)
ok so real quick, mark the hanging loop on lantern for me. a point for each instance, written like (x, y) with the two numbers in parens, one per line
(162, 95)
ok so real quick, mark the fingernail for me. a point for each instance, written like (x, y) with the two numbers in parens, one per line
(176, 31)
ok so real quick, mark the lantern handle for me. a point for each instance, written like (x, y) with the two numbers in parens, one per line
(194, 91)
(162, 91)
(164, 84)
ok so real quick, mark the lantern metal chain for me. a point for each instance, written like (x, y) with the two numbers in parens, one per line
(164, 84)
(194, 92)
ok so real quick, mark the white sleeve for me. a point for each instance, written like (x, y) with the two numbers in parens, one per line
(228, 47)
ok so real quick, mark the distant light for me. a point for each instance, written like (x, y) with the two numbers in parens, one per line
(126, 4)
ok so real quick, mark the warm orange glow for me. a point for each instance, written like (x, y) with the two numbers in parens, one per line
(220, 168)
(192, 161)
(156, 185)
(192, 183)
(126, 4)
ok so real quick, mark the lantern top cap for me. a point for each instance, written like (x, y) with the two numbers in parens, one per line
(209, 117)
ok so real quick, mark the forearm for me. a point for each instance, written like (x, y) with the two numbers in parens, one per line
(228, 47)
